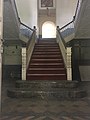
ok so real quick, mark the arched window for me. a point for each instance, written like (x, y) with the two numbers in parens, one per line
(48, 30)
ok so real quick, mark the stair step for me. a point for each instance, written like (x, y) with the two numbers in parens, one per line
(46, 56)
(50, 49)
(47, 69)
(46, 72)
(46, 53)
(59, 90)
(46, 76)
(47, 84)
(46, 41)
(46, 61)
(46, 45)
(72, 94)
(46, 65)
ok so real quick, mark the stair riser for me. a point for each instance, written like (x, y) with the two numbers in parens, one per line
(46, 57)
(46, 50)
(58, 95)
(46, 71)
(62, 95)
(46, 53)
(46, 45)
(48, 61)
(61, 77)
(47, 84)
(46, 66)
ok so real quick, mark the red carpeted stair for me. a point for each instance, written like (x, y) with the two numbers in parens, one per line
(46, 62)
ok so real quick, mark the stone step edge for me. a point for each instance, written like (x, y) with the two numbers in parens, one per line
(43, 94)
(59, 84)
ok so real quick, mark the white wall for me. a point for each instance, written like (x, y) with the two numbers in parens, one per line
(65, 10)
(27, 10)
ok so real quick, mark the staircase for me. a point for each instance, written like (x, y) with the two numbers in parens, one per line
(46, 62)
(46, 76)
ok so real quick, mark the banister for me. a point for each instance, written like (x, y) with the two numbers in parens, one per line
(67, 55)
(26, 26)
(58, 30)
(27, 52)
(66, 25)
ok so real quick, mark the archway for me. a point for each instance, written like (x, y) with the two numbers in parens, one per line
(48, 30)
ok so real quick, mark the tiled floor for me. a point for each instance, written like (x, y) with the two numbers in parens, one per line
(32, 109)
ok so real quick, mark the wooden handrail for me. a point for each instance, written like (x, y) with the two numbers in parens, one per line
(26, 26)
(58, 30)
(66, 25)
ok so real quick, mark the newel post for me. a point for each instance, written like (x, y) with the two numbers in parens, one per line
(69, 66)
(23, 63)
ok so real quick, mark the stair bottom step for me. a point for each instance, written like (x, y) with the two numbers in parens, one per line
(60, 95)
(61, 77)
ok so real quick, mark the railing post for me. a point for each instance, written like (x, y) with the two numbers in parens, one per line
(35, 37)
(69, 68)
(23, 63)
(57, 29)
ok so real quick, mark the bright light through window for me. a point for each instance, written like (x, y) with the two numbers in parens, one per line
(48, 30)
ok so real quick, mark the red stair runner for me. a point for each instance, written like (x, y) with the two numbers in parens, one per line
(46, 62)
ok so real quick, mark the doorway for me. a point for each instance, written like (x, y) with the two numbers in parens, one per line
(48, 30)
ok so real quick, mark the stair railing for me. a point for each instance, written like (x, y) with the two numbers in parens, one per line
(67, 31)
(27, 52)
(25, 32)
(66, 53)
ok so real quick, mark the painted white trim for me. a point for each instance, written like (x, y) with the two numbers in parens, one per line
(23, 63)
(54, 5)
(69, 67)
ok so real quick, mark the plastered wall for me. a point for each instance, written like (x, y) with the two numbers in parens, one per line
(65, 10)
(27, 10)
(12, 55)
